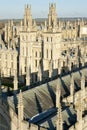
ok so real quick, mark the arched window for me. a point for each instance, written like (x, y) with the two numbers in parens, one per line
(36, 54)
(35, 63)
(47, 39)
(47, 53)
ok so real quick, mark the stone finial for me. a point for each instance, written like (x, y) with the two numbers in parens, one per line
(78, 21)
(20, 98)
(21, 23)
(58, 95)
(20, 110)
(49, 4)
(59, 123)
(59, 119)
(25, 6)
(79, 108)
(34, 23)
(11, 22)
(69, 65)
(45, 24)
(82, 22)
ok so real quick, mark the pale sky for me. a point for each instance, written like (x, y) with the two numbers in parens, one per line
(11, 9)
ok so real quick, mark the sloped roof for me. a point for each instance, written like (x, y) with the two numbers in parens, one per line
(42, 97)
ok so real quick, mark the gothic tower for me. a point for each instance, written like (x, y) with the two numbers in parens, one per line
(52, 16)
(28, 17)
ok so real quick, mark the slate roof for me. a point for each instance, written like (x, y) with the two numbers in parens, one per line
(42, 98)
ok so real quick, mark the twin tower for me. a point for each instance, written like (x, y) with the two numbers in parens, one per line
(52, 16)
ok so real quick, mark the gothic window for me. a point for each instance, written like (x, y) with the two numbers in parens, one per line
(47, 53)
(36, 39)
(35, 63)
(36, 54)
(63, 63)
(51, 39)
(47, 39)
(6, 64)
(51, 54)
(25, 68)
(35, 77)
(26, 51)
(15, 31)
(72, 65)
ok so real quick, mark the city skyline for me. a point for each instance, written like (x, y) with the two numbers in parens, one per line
(15, 9)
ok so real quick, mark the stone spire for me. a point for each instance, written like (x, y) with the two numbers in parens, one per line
(20, 110)
(34, 23)
(12, 23)
(83, 56)
(45, 26)
(59, 122)
(72, 90)
(59, 125)
(78, 29)
(52, 16)
(58, 94)
(28, 17)
(59, 66)
(79, 112)
(82, 22)
(21, 23)
(82, 89)
(83, 61)
(69, 65)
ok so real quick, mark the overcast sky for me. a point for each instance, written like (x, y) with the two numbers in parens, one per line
(65, 8)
